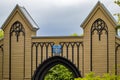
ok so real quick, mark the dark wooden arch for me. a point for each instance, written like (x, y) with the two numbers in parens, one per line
(99, 25)
(43, 68)
(1, 47)
(116, 61)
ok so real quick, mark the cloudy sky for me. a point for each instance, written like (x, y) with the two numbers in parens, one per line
(56, 17)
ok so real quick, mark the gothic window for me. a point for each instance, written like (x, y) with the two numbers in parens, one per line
(16, 28)
(99, 25)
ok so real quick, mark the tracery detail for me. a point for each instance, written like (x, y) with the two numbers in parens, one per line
(99, 25)
(17, 27)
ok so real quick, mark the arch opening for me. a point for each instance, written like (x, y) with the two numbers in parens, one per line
(44, 67)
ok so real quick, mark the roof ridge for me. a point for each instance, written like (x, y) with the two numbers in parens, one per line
(108, 12)
(29, 16)
(25, 14)
(104, 8)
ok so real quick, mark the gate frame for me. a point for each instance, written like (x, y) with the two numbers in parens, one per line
(44, 67)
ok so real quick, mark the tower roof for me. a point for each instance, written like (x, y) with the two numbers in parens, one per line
(25, 14)
(99, 5)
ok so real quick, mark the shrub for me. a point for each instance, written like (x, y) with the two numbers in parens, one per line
(107, 76)
(59, 72)
(1, 33)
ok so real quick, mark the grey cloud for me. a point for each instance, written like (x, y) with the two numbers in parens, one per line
(54, 17)
(64, 21)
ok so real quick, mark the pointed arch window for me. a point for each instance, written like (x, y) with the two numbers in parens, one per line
(99, 25)
(17, 28)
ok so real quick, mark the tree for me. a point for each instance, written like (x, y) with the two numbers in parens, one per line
(118, 14)
(59, 72)
(1, 33)
(118, 17)
(117, 2)
(92, 76)
(74, 34)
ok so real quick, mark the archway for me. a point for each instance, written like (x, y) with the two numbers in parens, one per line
(44, 67)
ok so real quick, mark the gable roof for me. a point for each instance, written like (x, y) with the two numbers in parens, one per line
(25, 14)
(97, 6)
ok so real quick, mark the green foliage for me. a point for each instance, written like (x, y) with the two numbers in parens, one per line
(58, 72)
(74, 34)
(117, 2)
(1, 34)
(91, 76)
(117, 14)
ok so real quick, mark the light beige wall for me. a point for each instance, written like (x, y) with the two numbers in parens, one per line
(118, 60)
(86, 41)
(17, 49)
(111, 38)
(1, 58)
(17, 57)
(117, 39)
(1, 63)
(99, 49)
(118, 54)
(57, 40)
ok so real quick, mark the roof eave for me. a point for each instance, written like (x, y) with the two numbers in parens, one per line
(18, 7)
(104, 8)
(110, 15)
(34, 28)
(3, 25)
(82, 24)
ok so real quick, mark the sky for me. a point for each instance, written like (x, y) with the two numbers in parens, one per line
(56, 17)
